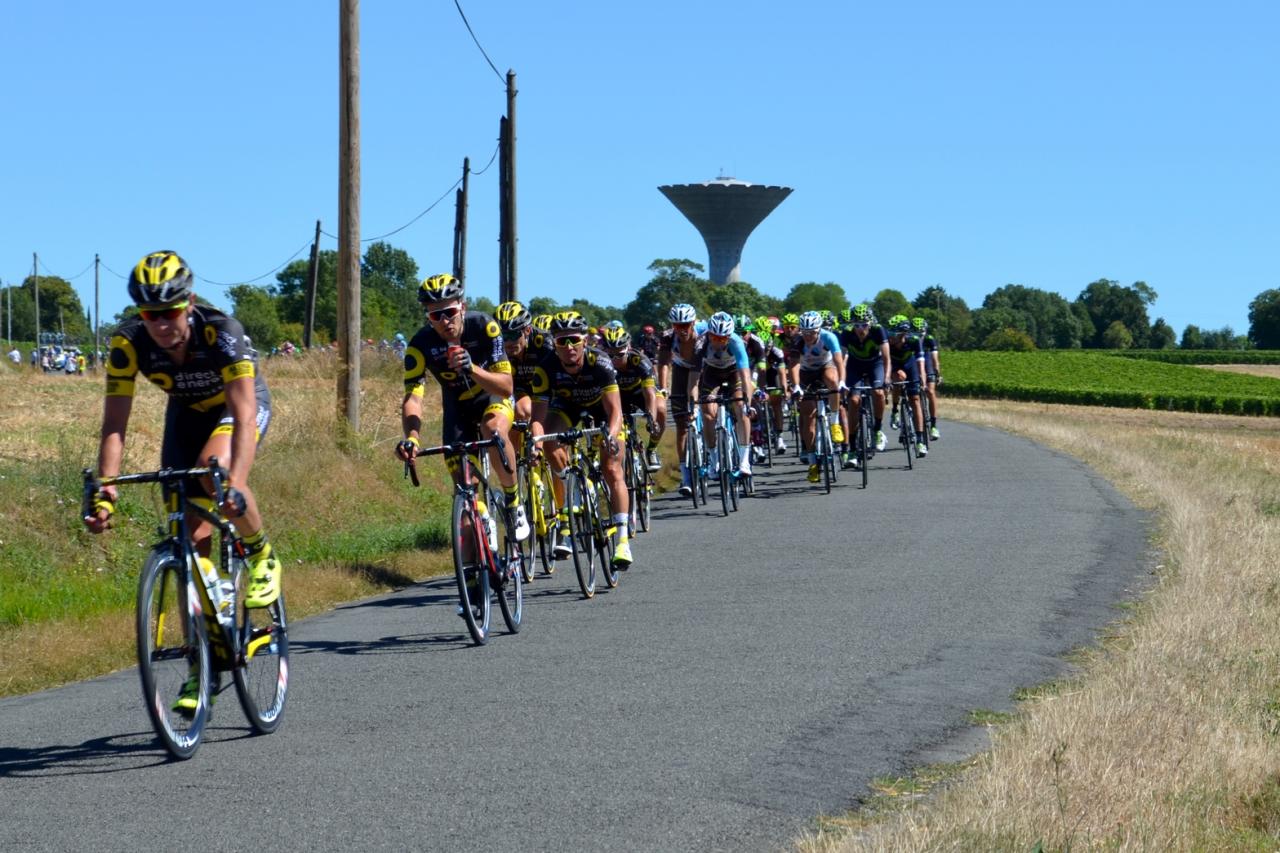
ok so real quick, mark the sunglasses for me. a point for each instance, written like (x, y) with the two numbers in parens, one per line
(512, 337)
(862, 325)
(682, 326)
(442, 314)
(569, 341)
(790, 330)
(172, 312)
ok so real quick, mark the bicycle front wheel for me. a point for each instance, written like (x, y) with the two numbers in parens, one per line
(601, 523)
(262, 670)
(511, 591)
(581, 534)
(468, 569)
(173, 645)
(543, 504)
(726, 471)
(864, 440)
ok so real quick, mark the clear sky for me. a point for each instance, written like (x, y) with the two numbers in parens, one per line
(966, 144)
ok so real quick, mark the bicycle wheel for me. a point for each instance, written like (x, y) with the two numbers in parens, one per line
(905, 429)
(923, 436)
(581, 534)
(473, 579)
(704, 456)
(172, 645)
(601, 525)
(643, 496)
(735, 478)
(770, 437)
(544, 499)
(524, 488)
(262, 673)
(509, 569)
(726, 472)
(864, 440)
(632, 477)
(691, 464)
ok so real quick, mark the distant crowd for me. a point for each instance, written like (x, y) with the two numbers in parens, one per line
(55, 358)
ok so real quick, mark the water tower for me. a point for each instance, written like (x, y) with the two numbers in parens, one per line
(725, 211)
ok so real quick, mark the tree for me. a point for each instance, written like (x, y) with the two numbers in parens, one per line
(1264, 320)
(291, 289)
(811, 296)
(24, 312)
(542, 305)
(955, 320)
(392, 275)
(595, 315)
(889, 302)
(1107, 302)
(1192, 338)
(988, 321)
(1117, 336)
(1162, 335)
(60, 310)
(739, 297)
(1046, 316)
(674, 281)
(255, 308)
(1009, 339)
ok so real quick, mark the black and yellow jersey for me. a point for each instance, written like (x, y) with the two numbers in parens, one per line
(866, 349)
(216, 354)
(428, 351)
(562, 389)
(525, 366)
(636, 373)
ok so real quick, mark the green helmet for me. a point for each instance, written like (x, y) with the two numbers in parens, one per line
(791, 319)
(862, 313)
(919, 324)
(742, 323)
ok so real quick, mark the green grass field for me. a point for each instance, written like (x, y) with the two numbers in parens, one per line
(1102, 379)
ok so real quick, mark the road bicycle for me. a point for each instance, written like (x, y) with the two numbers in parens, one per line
(483, 561)
(905, 416)
(764, 434)
(639, 478)
(533, 476)
(863, 441)
(191, 618)
(695, 458)
(585, 495)
(727, 451)
(823, 446)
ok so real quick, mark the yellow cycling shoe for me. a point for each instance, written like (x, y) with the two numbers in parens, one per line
(815, 474)
(188, 697)
(264, 579)
(837, 433)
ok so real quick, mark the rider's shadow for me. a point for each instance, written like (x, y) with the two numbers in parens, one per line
(108, 754)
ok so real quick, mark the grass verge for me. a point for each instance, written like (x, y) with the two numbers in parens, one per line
(1165, 738)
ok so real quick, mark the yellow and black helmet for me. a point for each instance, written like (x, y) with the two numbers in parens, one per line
(513, 317)
(568, 323)
(440, 288)
(616, 337)
(542, 322)
(160, 278)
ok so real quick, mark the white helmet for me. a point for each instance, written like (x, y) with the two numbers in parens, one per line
(682, 312)
(720, 324)
(810, 321)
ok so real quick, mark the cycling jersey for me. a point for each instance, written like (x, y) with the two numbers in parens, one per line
(429, 351)
(216, 354)
(866, 349)
(756, 350)
(569, 394)
(648, 345)
(686, 354)
(635, 375)
(817, 355)
(905, 350)
(731, 355)
(525, 366)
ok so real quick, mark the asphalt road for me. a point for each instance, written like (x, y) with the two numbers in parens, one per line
(749, 673)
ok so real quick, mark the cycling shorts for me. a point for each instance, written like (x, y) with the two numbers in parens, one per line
(870, 373)
(712, 378)
(913, 378)
(187, 431)
(815, 378)
(680, 390)
(461, 419)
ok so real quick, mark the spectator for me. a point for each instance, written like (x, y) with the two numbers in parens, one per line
(15, 356)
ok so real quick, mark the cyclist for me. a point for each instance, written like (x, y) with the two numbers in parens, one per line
(463, 350)
(866, 357)
(724, 362)
(679, 364)
(218, 406)
(906, 354)
(648, 343)
(816, 361)
(575, 380)
(932, 371)
(772, 373)
(637, 385)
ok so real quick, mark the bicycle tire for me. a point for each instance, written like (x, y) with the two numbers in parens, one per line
(864, 433)
(472, 578)
(691, 464)
(766, 412)
(600, 527)
(905, 429)
(645, 496)
(580, 537)
(924, 416)
(511, 592)
(262, 674)
(735, 477)
(704, 453)
(165, 597)
(725, 477)
(546, 498)
(524, 488)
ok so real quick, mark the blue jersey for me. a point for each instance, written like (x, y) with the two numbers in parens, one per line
(731, 356)
(817, 355)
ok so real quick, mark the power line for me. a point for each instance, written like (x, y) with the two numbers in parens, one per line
(73, 278)
(277, 268)
(501, 79)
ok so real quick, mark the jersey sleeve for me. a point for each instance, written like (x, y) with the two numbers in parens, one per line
(498, 362)
(738, 350)
(122, 366)
(234, 359)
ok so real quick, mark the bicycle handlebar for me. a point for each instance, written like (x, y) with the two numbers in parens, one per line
(457, 448)
(93, 485)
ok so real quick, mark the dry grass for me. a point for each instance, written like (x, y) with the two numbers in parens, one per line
(1166, 739)
(1271, 370)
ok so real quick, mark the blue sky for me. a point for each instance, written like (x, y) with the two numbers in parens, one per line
(970, 145)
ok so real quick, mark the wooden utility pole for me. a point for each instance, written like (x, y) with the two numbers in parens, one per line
(8, 291)
(35, 284)
(97, 317)
(504, 215)
(460, 224)
(511, 186)
(313, 280)
(349, 214)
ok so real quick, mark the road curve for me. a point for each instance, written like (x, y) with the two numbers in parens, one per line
(750, 673)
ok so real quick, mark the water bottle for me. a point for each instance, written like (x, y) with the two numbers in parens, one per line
(221, 590)
(491, 531)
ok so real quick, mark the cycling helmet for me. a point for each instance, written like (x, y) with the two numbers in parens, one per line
(648, 330)
(720, 323)
(513, 317)
(846, 316)
(743, 323)
(763, 325)
(791, 319)
(568, 323)
(160, 278)
(810, 321)
(920, 324)
(612, 324)
(828, 319)
(862, 313)
(542, 322)
(440, 288)
(682, 312)
(616, 337)
(900, 323)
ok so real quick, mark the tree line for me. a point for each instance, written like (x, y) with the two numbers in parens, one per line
(1105, 315)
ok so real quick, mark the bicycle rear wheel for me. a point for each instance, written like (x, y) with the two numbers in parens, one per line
(864, 440)
(601, 524)
(906, 431)
(736, 479)
(643, 497)
(544, 501)
(262, 673)
(510, 569)
(172, 645)
(691, 464)
(471, 575)
(581, 535)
